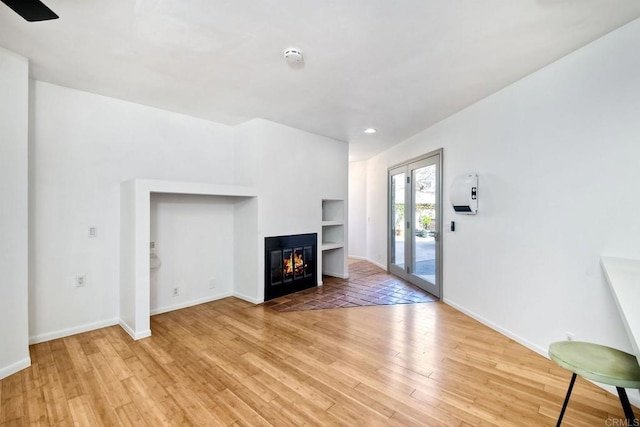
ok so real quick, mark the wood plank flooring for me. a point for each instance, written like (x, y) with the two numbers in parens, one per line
(230, 363)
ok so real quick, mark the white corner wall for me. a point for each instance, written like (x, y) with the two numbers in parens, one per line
(358, 210)
(292, 171)
(83, 147)
(557, 155)
(248, 280)
(14, 326)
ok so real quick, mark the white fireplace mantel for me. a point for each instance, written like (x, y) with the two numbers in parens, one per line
(135, 234)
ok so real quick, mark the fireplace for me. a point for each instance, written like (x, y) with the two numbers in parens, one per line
(290, 264)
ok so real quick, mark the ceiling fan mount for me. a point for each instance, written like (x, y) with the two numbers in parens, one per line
(31, 10)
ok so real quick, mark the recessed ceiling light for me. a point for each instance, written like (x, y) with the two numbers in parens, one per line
(370, 130)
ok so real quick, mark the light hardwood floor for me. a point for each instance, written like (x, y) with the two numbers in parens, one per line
(231, 363)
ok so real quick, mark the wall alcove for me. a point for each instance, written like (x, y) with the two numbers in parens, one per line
(135, 235)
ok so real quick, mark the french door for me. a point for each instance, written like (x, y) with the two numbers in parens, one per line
(415, 222)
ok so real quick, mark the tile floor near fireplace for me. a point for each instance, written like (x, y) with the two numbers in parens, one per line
(367, 285)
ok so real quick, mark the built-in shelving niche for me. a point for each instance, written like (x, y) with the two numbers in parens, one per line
(334, 258)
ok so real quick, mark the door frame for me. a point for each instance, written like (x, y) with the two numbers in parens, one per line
(409, 230)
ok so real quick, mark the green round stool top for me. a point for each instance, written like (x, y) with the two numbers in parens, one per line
(598, 363)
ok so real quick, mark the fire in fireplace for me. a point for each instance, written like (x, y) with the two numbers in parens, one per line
(290, 264)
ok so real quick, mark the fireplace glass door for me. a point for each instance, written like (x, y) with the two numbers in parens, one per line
(290, 264)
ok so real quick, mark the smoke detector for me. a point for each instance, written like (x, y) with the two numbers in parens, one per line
(293, 55)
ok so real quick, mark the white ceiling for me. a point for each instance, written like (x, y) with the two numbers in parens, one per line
(399, 66)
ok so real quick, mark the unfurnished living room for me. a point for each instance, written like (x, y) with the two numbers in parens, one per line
(319, 213)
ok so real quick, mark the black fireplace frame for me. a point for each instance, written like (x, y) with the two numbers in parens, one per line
(299, 280)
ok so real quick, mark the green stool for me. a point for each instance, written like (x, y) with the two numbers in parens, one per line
(601, 364)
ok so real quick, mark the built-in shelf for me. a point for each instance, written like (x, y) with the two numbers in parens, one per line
(334, 258)
(333, 210)
(331, 246)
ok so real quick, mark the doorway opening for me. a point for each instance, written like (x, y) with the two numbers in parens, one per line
(415, 222)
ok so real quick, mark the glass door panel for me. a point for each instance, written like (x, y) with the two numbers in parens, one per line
(397, 237)
(424, 223)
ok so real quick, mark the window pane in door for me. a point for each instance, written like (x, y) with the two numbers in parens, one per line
(424, 223)
(398, 219)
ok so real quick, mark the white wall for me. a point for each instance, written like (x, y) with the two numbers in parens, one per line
(557, 157)
(194, 241)
(83, 146)
(293, 171)
(358, 209)
(247, 274)
(14, 86)
(132, 222)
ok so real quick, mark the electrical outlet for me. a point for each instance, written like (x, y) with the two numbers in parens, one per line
(212, 283)
(176, 291)
(570, 336)
(81, 280)
(93, 231)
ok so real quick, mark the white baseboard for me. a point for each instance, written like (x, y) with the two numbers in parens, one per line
(135, 335)
(191, 303)
(35, 339)
(15, 367)
(495, 327)
(634, 398)
(363, 258)
(382, 266)
(247, 298)
(338, 275)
